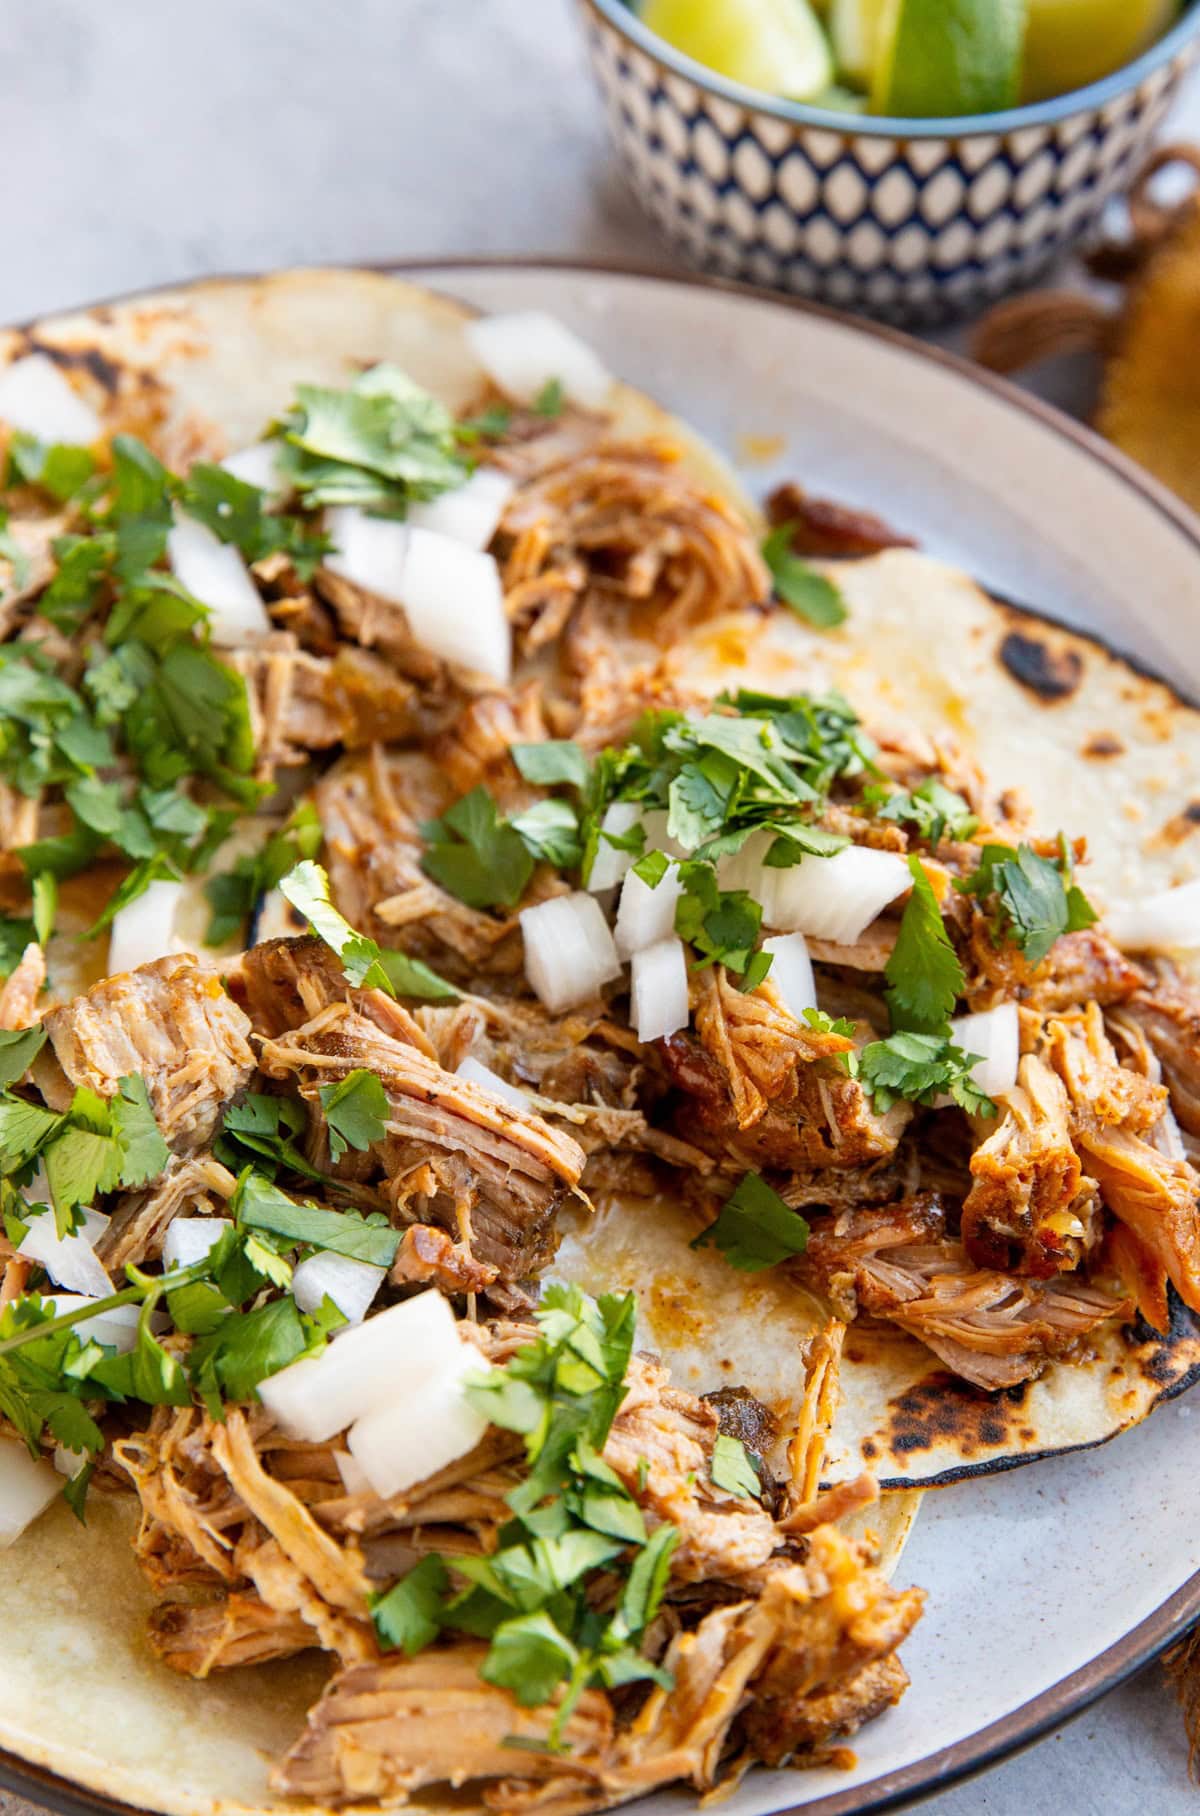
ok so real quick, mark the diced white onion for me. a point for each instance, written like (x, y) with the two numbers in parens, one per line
(257, 465)
(646, 915)
(491, 1081)
(525, 351)
(70, 1261)
(145, 928)
(351, 1284)
(1166, 922)
(791, 971)
(27, 1487)
(995, 1034)
(214, 573)
(190, 1239)
(38, 400)
(69, 1462)
(419, 1429)
(364, 1367)
(611, 862)
(115, 1328)
(354, 1479)
(659, 990)
(451, 594)
(833, 898)
(470, 513)
(569, 950)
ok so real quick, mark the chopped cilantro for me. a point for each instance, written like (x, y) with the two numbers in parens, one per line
(413, 977)
(755, 1229)
(307, 889)
(475, 855)
(234, 894)
(807, 592)
(937, 812)
(919, 1068)
(551, 399)
(236, 512)
(267, 1128)
(925, 978)
(732, 1470)
(356, 1110)
(554, 760)
(380, 444)
(1036, 899)
(723, 925)
(408, 1616)
(259, 1205)
(19, 1047)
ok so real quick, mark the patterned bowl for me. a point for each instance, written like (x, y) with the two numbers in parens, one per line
(911, 220)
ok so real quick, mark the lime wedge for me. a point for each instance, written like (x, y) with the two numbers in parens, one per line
(1069, 43)
(854, 30)
(775, 45)
(939, 58)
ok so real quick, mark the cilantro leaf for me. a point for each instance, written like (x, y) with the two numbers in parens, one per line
(236, 513)
(1036, 899)
(755, 1229)
(732, 1470)
(379, 444)
(925, 978)
(413, 977)
(808, 593)
(307, 889)
(143, 1152)
(245, 1348)
(936, 811)
(409, 1615)
(19, 1047)
(475, 855)
(551, 399)
(529, 1656)
(266, 1127)
(356, 1110)
(550, 832)
(554, 760)
(647, 1580)
(234, 894)
(919, 1068)
(259, 1205)
(722, 924)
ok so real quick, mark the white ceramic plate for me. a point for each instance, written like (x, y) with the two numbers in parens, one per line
(1050, 1583)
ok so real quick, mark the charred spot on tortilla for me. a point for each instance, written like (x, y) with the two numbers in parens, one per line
(1103, 744)
(942, 1408)
(1168, 1359)
(108, 372)
(1050, 673)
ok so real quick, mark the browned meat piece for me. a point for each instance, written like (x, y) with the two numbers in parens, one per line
(21, 988)
(281, 983)
(986, 1326)
(1115, 1116)
(762, 1089)
(300, 703)
(1168, 1013)
(1022, 1214)
(1142, 1273)
(741, 1416)
(385, 1728)
(626, 522)
(196, 1638)
(455, 1155)
(477, 749)
(197, 1187)
(824, 527)
(1081, 968)
(18, 818)
(429, 1255)
(172, 1023)
(533, 444)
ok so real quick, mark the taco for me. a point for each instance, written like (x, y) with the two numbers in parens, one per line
(550, 1046)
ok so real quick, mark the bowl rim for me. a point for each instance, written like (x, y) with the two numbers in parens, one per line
(1094, 95)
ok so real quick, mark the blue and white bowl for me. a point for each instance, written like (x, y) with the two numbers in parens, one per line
(911, 220)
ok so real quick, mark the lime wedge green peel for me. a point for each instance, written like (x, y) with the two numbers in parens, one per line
(1069, 43)
(777, 46)
(938, 58)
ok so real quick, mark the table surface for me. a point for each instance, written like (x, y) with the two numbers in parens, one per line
(150, 143)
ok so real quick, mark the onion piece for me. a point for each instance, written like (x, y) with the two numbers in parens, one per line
(70, 1261)
(354, 1479)
(385, 1358)
(569, 950)
(791, 971)
(214, 573)
(37, 399)
(27, 1487)
(611, 863)
(491, 1081)
(257, 465)
(995, 1034)
(833, 898)
(658, 1000)
(646, 915)
(454, 603)
(414, 1435)
(1166, 922)
(351, 1284)
(450, 594)
(69, 1462)
(190, 1239)
(471, 513)
(145, 928)
(525, 351)
(115, 1328)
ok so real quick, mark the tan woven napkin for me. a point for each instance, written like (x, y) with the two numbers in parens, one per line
(1143, 322)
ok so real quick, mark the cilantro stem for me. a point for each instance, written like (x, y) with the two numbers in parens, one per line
(128, 1295)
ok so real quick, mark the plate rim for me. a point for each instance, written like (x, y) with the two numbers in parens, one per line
(1071, 1695)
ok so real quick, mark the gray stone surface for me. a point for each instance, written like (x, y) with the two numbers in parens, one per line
(149, 142)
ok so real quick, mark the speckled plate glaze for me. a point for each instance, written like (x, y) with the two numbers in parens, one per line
(1048, 1584)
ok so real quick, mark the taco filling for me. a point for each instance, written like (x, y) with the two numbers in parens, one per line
(510, 1075)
